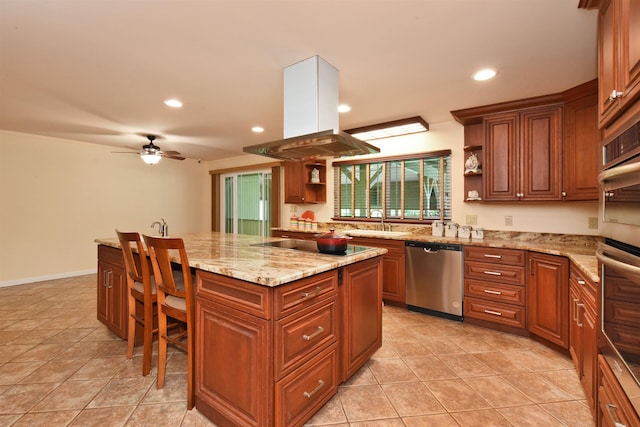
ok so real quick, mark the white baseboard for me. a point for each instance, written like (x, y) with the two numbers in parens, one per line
(48, 277)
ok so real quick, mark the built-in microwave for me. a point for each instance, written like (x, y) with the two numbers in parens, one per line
(619, 260)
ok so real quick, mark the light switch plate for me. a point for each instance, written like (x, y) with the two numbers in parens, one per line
(508, 220)
(593, 223)
(471, 219)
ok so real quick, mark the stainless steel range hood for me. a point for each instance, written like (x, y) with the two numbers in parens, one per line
(311, 116)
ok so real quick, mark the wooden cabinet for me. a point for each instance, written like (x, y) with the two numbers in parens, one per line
(494, 287)
(393, 265)
(523, 154)
(618, 58)
(273, 356)
(302, 185)
(300, 235)
(547, 297)
(583, 333)
(614, 408)
(112, 290)
(361, 311)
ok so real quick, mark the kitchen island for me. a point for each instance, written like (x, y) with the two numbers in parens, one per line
(277, 330)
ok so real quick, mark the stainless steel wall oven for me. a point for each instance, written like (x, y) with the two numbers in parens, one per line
(619, 259)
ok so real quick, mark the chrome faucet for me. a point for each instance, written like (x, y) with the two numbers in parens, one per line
(163, 228)
(381, 218)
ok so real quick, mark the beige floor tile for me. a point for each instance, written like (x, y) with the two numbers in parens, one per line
(429, 368)
(122, 392)
(386, 351)
(442, 346)
(497, 391)
(21, 398)
(54, 371)
(158, 415)
(391, 422)
(99, 367)
(8, 420)
(71, 395)
(439, 420)
(410, 347)
(42, 352)
(70, 335)
(115, 416)
(11, 352)
(455, 395)
(537, 388)
(366, 402)
(466, 365)
(572, 414)
(46, 419)
(391, 371)
(567, 380)
(174, 390)
(331, 413)
(529, 416)
(193, 418)
(14, 372)
(412, 398)
(488, 417)
(501, 362)
(364, 376)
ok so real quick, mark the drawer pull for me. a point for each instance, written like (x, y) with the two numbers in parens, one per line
(313, 335)
(309, 394)
(493, 273)
(581, 282)
(489, 291)
(313, 293)
(492, 256)
(495, 313)
(575, 309)
(611, 409)
(578, 306)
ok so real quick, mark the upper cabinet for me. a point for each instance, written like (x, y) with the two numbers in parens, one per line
(305, 181)
(618, 58)
(536, 149)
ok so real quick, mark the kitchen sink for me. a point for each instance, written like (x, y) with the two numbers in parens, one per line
(375, 233)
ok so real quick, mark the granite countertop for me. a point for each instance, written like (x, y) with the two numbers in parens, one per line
(579, 249)
(232, 255)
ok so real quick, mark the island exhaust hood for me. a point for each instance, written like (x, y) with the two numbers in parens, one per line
(311, 116)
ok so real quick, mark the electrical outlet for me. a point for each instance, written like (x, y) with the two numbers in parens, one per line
(593, 223)
(471, 219)
(508, 220)
(293, 208)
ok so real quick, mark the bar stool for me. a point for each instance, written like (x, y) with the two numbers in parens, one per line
(141, 287)
(176, 300)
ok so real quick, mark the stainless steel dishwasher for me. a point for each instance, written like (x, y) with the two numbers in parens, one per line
(434, 281)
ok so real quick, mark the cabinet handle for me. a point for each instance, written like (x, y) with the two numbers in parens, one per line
(612, 409)
(580, 325)
(495, 313)
(493, 273)
(531, 272)
(581, 282)
(313, 335)
(107, 279)
(309, 394)
(492, 256)
(489, 291)
(313, 293)
(615, 94)
(575, 309)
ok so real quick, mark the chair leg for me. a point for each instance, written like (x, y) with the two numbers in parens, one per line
(131, 331)
(162, 346)
(147, 339)
(190, 366)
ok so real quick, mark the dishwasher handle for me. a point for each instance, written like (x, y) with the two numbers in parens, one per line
(431, 250)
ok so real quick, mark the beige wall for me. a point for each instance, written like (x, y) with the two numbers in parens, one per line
(570, 218)
(57, 196)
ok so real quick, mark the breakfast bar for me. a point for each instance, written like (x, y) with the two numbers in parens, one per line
(277, 328)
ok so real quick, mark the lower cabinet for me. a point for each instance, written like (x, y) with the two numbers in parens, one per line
(614, 408)
(273, 356)
(583, 333)
(112, 290)
(547, 297)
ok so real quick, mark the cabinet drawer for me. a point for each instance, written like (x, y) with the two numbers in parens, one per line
(297, 336)
(494, 255)
(509, 274)
(505, 314)
(509, 294)
(304, 293)
(234, 293)
(625, 338)
(111, 255)
(625, 313)
(622, 289)
(614, 406)
(301, 393)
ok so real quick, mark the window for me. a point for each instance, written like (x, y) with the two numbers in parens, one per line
(246, 203)
(404, 188)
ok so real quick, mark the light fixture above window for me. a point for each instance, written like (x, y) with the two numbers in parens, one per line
(390, 129)
(151, 158)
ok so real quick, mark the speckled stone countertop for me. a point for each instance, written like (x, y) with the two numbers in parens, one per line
(232, 255)
(579, 249)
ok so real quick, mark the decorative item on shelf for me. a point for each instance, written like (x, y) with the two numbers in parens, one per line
(315, 176)
(451, 229)
(437, 228)
(464, 232)
(473, 195)
(472, 165)
(477, 233)
(314, 226)
(293, 223)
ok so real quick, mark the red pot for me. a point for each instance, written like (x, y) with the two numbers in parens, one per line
(332, 243)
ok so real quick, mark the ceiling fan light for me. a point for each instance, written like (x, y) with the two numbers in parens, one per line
(150, 159)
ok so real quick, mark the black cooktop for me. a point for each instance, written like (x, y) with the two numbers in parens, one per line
(308, 246)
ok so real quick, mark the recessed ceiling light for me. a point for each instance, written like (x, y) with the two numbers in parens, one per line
(343, 108)
(390, 129)
(257, 129)
(485, 74)
(173, 103)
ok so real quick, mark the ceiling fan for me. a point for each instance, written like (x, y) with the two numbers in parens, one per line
(151, 153)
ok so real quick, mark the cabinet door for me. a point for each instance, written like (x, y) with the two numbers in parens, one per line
(608, 39)
(541, 154)
(581, 143)
(294, 182)
(589, 355)
(361, 309)
(629, 50)
(393, 264)
(547, 297)
(575, 331)
(104, 271)
(501, 164)
(112, 305)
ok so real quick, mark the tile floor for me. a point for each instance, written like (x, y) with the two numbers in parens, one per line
(59, 366)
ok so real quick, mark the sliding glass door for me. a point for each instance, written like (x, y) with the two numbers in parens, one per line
(246, 203)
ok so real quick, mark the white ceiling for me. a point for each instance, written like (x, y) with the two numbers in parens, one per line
(98, 70)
